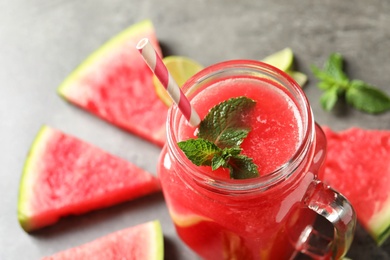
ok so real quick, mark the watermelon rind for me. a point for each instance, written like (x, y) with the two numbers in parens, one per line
(93, 60)
(379, 224)
(159, 239)
(28, 178)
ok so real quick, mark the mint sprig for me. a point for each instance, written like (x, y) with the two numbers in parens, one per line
(357, 93)
(220, 135)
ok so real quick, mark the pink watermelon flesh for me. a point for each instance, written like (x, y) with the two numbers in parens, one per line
(141, 242)
(64, 175)
(358, 166)
(115, 84)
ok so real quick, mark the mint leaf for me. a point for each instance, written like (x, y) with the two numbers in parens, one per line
(322, 75)
(329, 98)
(332, 74)
(357, 93)
(334, 67)
(199, 151)
(242, 167)
(218, 161)
(222, 159)
(224, 124)
(367, 98)
(324, 85)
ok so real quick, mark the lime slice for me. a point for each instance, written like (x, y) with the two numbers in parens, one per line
(187, 220)
(181, 69)
(283, 59)
(299, 77)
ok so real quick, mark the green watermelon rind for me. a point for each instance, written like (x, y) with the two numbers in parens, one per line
(379, 224)
(159, 239)
(28, 177)
(93, 60)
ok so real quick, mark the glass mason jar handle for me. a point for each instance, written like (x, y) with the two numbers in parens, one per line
(334, 207)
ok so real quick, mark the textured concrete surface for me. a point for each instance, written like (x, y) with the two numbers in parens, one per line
(41, 41)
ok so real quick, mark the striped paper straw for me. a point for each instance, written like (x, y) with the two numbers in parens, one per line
(157, 66)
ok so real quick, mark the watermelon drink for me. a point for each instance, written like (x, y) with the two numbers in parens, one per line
(266, 217)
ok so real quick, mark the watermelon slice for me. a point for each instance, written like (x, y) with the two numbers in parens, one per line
(141, 242)
(64, 175)
(358, 166)
(115, 84)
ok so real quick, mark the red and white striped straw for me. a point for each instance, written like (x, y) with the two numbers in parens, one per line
(157, 66)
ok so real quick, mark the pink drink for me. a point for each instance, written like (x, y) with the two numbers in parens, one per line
(259, 218)
(275, 121)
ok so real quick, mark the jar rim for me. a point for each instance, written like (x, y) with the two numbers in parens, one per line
(246, 185)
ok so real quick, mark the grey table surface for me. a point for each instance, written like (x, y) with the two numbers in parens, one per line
(42, 41)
